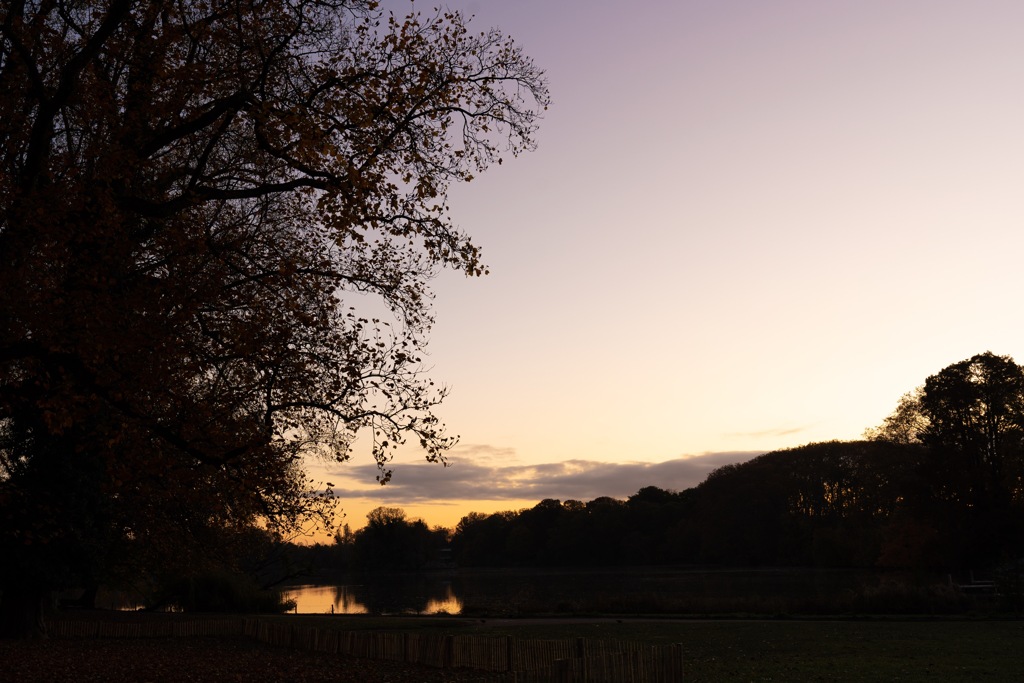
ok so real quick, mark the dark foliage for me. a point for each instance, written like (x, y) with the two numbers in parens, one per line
(940, 485)
(862, 504)
(218, 225)
(828, 505)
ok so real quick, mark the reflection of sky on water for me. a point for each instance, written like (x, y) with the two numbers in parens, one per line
(449, 604)
(324, 600)
(343, 599)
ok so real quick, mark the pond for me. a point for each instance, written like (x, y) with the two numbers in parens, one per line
(628, 591)
(399, 595)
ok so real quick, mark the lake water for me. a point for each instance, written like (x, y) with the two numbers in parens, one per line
(636, 591)
(505, 592)
(400, 595)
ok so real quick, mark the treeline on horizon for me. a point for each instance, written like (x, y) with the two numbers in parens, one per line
(836, 504)
(940, 485)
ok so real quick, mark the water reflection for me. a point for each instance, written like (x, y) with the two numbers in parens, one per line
(312, 599)
(345, 602)
(449, 604)
(422, 596)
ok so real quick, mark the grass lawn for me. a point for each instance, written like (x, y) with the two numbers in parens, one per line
(903, 650)
(796, 650)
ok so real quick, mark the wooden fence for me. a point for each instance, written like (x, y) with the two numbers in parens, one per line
(511, 660)
(505, 659)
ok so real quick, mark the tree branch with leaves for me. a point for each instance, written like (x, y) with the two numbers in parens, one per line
(218, 224)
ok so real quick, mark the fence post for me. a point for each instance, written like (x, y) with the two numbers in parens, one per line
(509, 657)
(448, 652)
(561, 670)
(677, 662)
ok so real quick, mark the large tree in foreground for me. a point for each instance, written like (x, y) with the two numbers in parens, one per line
(218, 219)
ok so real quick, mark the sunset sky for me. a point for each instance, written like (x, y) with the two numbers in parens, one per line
(749, 225)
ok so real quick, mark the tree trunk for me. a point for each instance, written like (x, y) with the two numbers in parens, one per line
(21, 613)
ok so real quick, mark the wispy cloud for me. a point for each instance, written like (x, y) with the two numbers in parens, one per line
(763, 433)
(482, 453)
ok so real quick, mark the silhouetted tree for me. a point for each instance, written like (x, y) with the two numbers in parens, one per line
(975, 434)
(195, 198)
(391, 542)
(822, 504)
(975, 414)
(482, 540)
(905, 424)
(743, 515)
(647, 515)
(970, 417)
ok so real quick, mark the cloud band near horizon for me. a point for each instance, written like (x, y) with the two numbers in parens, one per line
(488, 473)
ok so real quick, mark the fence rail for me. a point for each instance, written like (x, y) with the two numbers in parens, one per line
(505, 659)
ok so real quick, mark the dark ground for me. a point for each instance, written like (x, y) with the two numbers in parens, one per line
(908, 650)
(222, 659)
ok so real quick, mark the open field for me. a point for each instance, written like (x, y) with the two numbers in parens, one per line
(798, 650)
(715, 650)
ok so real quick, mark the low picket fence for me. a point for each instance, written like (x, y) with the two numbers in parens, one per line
(503, 659)
(509, 659)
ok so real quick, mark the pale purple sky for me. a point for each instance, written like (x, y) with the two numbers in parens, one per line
(748, 226)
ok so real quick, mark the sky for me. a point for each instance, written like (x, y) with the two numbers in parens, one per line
(748, 226)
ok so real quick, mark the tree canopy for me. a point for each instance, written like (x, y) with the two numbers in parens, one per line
(970, 418)
(218, 221)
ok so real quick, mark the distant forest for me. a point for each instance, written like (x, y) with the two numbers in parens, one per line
(939, 485)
